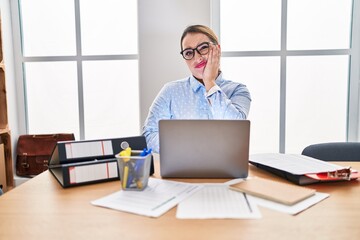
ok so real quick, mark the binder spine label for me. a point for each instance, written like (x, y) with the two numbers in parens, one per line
(88, 173)
(88, 149)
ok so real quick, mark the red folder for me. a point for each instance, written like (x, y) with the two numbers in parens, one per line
(343, 174)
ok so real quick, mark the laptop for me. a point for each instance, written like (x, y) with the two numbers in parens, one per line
(204, 148)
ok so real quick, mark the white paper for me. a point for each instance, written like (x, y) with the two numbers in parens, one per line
(294, 163)
(156, 199)
(217, 201)
(294, 209)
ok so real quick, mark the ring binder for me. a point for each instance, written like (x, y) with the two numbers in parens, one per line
(301, 169)
(76, 163)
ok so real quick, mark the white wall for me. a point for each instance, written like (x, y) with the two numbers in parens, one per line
(161, 23)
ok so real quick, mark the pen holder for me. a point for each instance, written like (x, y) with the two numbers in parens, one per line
(134, 170)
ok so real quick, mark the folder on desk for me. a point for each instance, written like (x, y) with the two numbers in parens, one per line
(301, 169)
(76, 163)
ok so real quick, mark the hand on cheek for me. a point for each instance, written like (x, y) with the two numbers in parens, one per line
(211, 69)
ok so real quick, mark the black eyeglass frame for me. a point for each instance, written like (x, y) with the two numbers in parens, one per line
(196, 48)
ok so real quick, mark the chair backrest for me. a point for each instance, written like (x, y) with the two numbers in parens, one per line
(334, 151)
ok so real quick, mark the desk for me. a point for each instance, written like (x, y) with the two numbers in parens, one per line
(42, 209)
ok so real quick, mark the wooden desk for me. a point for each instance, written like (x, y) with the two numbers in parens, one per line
(42, 209)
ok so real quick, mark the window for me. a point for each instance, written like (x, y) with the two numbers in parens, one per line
(295, 57)
(80, 67)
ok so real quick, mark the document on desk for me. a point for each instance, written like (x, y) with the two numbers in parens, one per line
(294, 163)
(294, 209)
(217, 201)
(156, 199)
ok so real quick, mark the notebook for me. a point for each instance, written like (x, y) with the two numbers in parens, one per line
(204, 148)
(276, 191)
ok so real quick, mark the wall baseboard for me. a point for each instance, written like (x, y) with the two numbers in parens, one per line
(19, 180)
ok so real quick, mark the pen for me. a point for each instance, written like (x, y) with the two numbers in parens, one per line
(131, 175)
(146, 152)
(143, 153)
(126, 172)
(125, 153)
(247, 202)
(138, 167)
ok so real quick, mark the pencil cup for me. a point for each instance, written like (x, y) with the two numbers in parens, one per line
(134, 170)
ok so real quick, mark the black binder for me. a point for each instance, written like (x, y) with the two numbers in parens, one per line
(297, 179)
(75, 163)
(277, 163)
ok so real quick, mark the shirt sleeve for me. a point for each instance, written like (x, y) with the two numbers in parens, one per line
(158, 110)
(234, 106)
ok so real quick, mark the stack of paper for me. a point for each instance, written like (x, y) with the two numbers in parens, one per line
(156, 199)
(217, 201)
(197, 201)
(202, 201)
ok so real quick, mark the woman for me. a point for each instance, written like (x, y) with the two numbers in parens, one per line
(203, 95)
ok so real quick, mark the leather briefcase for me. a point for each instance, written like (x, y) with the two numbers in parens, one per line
(34, 151)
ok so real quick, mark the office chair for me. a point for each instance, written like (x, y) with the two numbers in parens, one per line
(334, 151)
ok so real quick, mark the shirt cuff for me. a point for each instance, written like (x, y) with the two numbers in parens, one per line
(213, 90)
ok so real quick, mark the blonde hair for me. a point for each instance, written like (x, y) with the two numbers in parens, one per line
(200, 29)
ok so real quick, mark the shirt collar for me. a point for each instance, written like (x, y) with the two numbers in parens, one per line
(196, 85)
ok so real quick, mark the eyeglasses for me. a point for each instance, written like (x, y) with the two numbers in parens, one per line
(202, 49)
